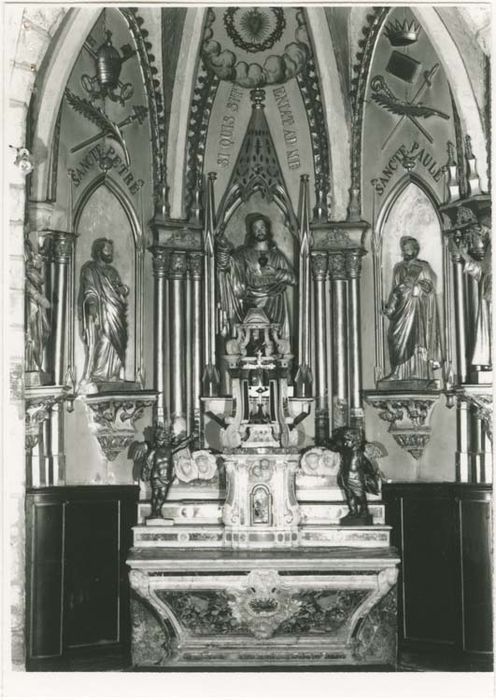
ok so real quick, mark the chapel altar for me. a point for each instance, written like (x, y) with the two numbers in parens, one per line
(255, 556)
(253, 382)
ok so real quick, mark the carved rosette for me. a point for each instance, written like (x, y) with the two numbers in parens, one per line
(408, 416)
(263, 602)
(113, 419)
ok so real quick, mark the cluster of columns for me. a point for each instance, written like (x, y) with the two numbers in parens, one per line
(338, 375)
(178, 335)
(45, 446)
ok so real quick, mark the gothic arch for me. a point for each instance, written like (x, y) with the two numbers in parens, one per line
(177, 142)
(456, 73)
(337, 125)
(65, 49)
(113, 187)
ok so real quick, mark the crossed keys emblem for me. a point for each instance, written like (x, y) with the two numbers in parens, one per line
(412, 110)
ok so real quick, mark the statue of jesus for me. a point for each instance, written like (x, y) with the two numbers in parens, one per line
(254, 275)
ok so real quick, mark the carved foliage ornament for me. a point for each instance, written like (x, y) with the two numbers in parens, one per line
(408, 417)
(113, 422)
(263, 602)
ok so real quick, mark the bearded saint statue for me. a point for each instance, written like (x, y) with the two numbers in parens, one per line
(103, 314)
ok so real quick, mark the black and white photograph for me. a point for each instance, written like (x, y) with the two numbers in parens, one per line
(247, 347)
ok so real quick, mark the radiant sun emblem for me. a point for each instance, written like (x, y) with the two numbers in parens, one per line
(254, 29)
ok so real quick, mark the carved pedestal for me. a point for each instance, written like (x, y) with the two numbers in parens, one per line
(227, 608)
(408, 415)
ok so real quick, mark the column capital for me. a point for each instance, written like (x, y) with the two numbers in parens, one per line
(319, 265)
(177, 264)
(337, 265)
(160, 260)
(60, 244)
(353, 263)
(195, 265)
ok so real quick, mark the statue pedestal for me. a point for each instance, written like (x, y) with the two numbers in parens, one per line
(224, 607)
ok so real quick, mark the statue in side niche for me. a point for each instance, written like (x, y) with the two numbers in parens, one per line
(103, 314)
(357, 474)
(154, 462)
(475, 249)
(254, 275)
(37, 305)
(413, 336)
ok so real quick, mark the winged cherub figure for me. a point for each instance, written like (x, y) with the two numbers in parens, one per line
(357, 474)
(153, 461)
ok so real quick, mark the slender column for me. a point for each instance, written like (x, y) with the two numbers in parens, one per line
(62, 253)
(211, 375)
(460, 319)
(337, 271)
(56, 463)
(178, 367)
(353, 263)
(54, 459)
(304, 379)
(462, 439)
(472, 286)
(319, 270)
(160, 261)
(329, 340)
(476, 448)
(195, 270)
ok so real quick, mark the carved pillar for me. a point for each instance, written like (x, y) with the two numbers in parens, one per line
(210, 377)
(460, 318)
(319, 270)
(177, 334)
(337, 269)
(304, 379)
(462, 459)
(35, 422)
(195, 270)
(61, 256)
(160, 261)
(353, 264)
(62, 250)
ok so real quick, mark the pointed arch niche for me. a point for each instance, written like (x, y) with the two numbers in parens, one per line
(105, 212)
(410, 210)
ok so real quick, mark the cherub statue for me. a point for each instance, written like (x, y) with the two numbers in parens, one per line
(357, 474)
(153, 461)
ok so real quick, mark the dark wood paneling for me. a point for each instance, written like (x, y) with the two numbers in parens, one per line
(475, 525)
(45, 578)
(78, 592)
(429, 570)
(92, 573)
(443, 534)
